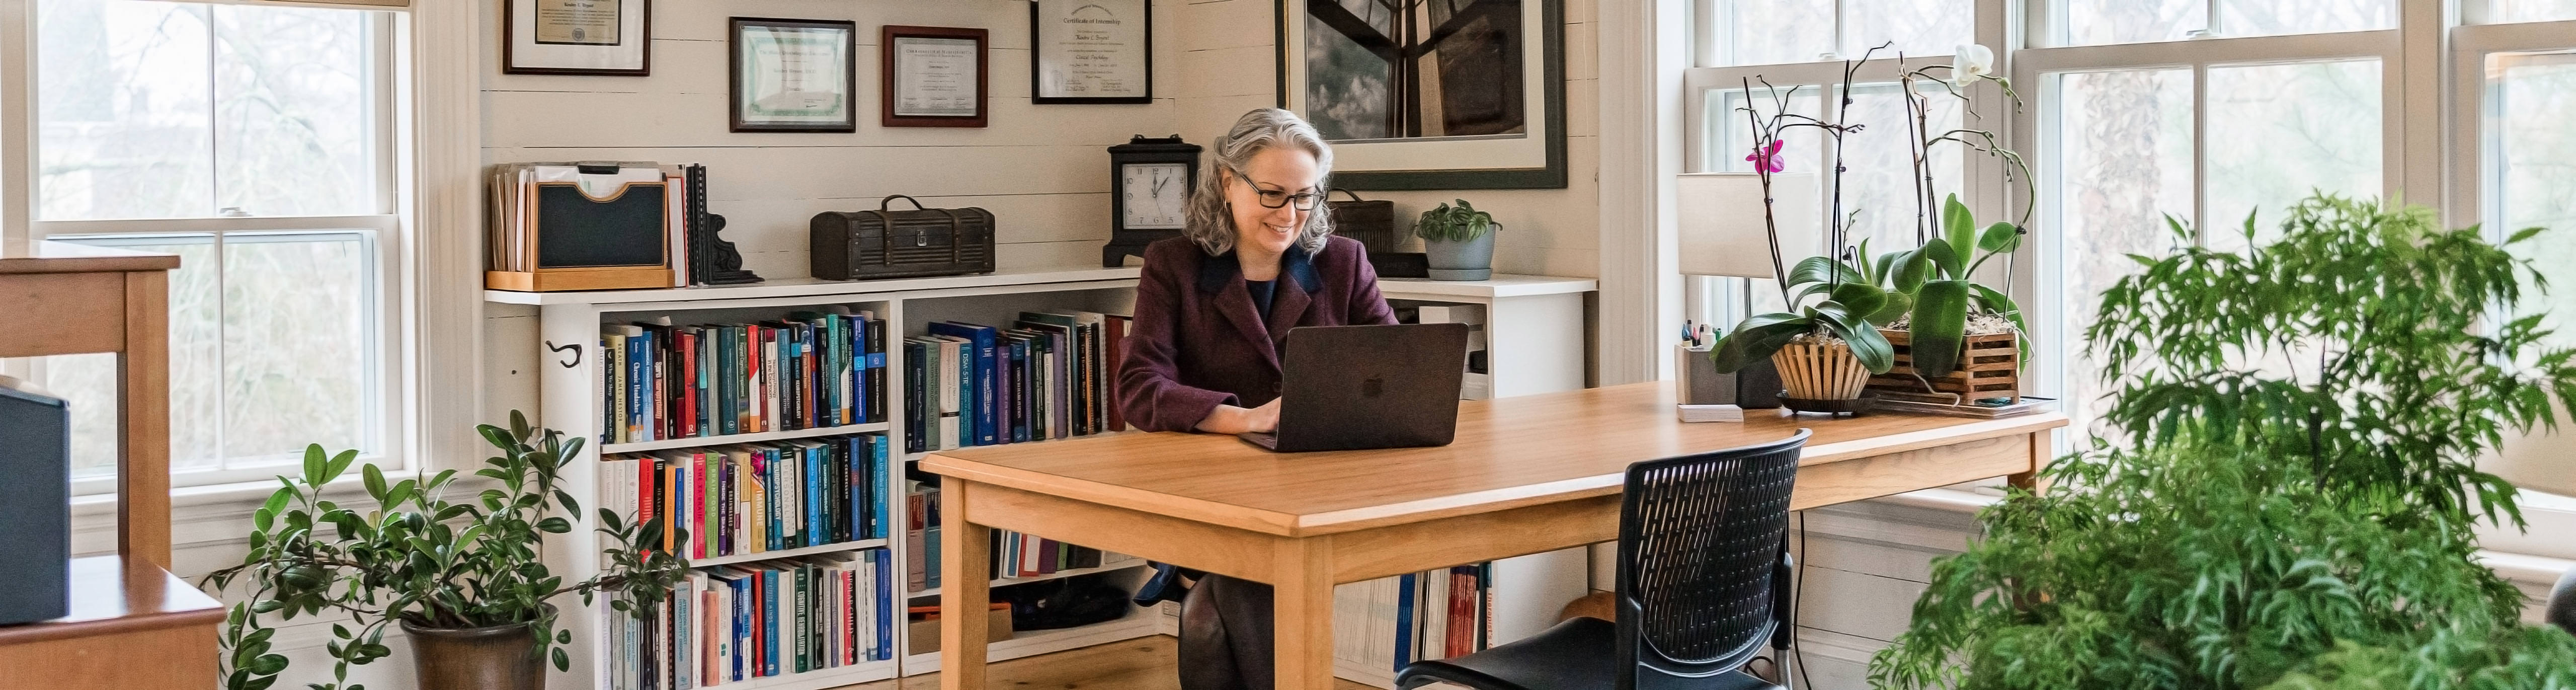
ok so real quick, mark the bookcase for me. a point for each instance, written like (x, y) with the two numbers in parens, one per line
(1539, 319)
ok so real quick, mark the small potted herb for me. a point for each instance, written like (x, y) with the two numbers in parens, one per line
(1458, 241)
(465, 578)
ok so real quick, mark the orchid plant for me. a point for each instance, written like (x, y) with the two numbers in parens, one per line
(1846, 305)
(1931, 286)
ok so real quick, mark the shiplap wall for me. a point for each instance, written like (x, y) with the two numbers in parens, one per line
(1041, 170)
(1230, 65)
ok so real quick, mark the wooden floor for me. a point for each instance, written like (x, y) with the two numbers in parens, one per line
(1140, 664)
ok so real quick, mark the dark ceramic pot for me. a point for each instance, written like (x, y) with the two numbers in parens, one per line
(501, 657)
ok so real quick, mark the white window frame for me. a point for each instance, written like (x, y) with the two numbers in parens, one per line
(383, 232)
(1725, 301)
(2473, 198)
(2034, 71)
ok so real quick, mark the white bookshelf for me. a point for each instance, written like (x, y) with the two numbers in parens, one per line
(569, 402)
(1109, 562)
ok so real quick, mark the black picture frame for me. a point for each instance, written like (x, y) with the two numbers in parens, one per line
(1038, 37)
(888, 69)
(1550, 63)
(733, 75)
(510, 57)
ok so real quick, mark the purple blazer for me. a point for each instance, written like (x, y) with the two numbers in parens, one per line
(1197, 341)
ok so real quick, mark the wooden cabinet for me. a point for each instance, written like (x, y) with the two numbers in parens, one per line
(132, 624)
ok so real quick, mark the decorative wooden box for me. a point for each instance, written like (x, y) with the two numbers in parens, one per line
(1991, 368)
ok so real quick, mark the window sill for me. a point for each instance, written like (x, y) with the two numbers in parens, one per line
(1955, 509)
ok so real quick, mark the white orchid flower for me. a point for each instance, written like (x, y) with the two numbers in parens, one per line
(1970, 62)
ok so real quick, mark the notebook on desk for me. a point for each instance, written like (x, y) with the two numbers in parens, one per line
(1366, 387)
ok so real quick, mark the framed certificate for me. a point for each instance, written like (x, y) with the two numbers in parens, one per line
(934, 76)
(1091, 51)
(793, 75)
(601, 37)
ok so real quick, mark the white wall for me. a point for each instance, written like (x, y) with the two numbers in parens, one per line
(1042, 170)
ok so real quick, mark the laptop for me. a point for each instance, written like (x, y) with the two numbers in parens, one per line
(1367, 387)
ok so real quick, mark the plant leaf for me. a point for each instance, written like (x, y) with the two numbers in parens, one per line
(1938, 330)
(1959, 227)
(1757, 339)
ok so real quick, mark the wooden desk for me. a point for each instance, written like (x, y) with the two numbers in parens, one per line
(1526, 475)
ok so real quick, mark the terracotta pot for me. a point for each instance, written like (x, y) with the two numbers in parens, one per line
(500, 657)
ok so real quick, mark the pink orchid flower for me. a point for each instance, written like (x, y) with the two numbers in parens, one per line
(1767, 161)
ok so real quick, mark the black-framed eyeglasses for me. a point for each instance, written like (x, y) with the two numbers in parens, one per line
(1273, 198)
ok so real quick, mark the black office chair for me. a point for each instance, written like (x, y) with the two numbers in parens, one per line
(2562, 602)
(1704, 583)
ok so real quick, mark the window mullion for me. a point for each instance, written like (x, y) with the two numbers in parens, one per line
(2200, 155)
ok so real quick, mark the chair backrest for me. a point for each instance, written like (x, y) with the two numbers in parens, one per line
(1701, 542)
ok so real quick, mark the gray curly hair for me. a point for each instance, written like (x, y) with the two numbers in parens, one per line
(1209, 224)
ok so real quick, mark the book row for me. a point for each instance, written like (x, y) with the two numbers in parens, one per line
(1015, 554)
(810, 370)
(755, 497)
(1044, 376)
(1389, 622)
(736, 623)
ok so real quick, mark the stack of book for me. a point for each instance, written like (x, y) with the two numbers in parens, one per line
(1381, 625)
(1015, 554)
(742, 622)
(811, 370)
(1045, 376)
(755, 497)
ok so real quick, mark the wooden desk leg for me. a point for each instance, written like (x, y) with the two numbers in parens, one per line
(965, 576)
(2042, 447)
(143, 408)
(1302, 614)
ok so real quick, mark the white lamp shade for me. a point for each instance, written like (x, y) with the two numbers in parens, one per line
(1719, 217)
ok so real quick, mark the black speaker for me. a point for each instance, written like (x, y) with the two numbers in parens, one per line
(35, 453)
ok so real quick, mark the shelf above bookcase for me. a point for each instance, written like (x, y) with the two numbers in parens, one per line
(702, 441)
(809, 287)
(787, 553)
(1123, 563)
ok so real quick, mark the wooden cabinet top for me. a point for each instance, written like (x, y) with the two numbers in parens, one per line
(110, 595)
(67, 257)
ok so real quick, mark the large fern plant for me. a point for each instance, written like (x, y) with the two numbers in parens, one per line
(2291, 503)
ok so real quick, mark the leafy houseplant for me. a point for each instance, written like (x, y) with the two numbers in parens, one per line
(442, 569)
(2317, 404)
(1458, 241)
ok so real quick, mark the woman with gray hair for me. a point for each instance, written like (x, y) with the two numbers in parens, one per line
(1256, 257)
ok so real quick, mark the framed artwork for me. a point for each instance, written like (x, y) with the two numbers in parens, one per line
(1430, 94)
(793, 75)
(597, 37)
(934, 76)
(1091, 51)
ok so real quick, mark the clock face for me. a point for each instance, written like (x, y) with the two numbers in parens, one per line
(1154, 196)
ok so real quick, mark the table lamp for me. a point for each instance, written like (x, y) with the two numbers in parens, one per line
(1720, 219)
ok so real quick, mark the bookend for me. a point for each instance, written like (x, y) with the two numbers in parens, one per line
(725, 262)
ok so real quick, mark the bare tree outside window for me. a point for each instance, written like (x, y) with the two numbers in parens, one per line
(153, 113)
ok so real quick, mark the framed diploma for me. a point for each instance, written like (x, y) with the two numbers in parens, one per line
(793, 75)
(1091, 51)
(603, 37)
(934, 76)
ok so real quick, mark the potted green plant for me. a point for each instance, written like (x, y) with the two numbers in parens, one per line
(1458, 241)
(2287, 496)
(1827, 344)
(463, 576)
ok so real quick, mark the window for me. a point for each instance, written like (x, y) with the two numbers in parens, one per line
(1801, 44)
(254, 142)
(2140, 116)
(2517, 89)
